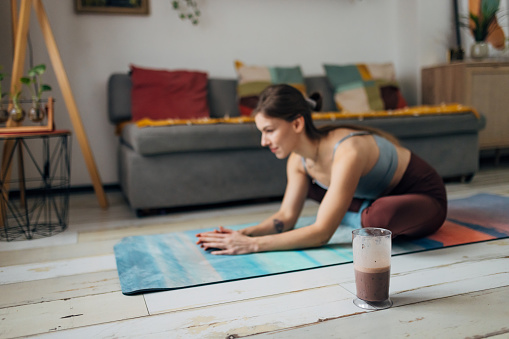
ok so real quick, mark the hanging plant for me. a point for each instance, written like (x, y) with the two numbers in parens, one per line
(188, 10)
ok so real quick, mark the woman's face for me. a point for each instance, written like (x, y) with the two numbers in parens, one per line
(277, 134)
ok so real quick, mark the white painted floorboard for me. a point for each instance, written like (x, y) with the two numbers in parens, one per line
(65, 238)
(62, 268)
(314, 305)
(470, 315)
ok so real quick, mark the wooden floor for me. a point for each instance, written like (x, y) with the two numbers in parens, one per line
(66, 286)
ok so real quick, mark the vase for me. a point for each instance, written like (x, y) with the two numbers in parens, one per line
(36, 112)
(479, 50)
(17, 114)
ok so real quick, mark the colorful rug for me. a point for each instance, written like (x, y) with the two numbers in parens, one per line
(172, 261)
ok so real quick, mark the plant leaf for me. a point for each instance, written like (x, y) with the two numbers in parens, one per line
(489, 9)
(45, 87)
(39, 69)
(25, 80)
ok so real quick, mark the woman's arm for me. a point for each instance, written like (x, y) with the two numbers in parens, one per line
(347, 167)
(293, 201)
(282, 221)
(344, 179)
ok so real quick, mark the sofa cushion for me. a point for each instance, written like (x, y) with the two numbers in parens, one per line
(364, 87)
(119, 97)
(252, 80)
(164, 94)
(183, 138)
(320, 84)
(233, 136)
(222, 94)
(415, 127)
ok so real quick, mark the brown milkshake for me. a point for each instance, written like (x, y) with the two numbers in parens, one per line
(372, 266)
(372, 283)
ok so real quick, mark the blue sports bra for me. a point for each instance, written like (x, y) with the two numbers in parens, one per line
(376, 181)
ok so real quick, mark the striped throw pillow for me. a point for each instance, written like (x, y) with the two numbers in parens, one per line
(365, 87)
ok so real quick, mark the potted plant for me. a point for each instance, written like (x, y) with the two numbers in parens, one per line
(481, 25)
(4, 114)
(36, 88)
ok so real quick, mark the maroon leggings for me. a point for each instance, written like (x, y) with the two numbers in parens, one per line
(416, 207)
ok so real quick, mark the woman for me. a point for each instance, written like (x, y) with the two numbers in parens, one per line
(340, 167)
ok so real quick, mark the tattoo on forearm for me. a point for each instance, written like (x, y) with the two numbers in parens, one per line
(279, 225)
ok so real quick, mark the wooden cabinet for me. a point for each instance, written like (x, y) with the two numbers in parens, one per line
(482, 85)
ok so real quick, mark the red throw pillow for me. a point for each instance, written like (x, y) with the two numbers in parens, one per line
(163, 94)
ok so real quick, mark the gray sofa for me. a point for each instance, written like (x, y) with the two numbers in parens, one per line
(192, 165)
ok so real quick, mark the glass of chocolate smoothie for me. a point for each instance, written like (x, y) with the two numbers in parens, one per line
(372, 266)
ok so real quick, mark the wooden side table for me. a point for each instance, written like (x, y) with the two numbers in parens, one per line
(34, 199)
(482, 85)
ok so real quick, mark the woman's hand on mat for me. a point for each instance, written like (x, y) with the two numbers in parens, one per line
(226, 241)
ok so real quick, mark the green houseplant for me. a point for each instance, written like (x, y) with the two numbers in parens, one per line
(481, 25)
(36, 88)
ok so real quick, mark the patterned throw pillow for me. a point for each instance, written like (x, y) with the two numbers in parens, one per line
(365, 87)
(162, 94)
(252, 80)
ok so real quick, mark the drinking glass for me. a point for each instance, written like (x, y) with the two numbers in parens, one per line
(372, 266)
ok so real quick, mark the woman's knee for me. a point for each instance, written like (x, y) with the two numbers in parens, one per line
(414, 216)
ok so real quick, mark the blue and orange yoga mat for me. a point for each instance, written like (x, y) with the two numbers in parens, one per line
(172, 261)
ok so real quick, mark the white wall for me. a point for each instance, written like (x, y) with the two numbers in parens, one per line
(411, 33)
(425, 33)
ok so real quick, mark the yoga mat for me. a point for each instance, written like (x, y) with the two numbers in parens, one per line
(172, 261)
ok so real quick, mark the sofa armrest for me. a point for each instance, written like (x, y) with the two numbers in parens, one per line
(119, 98)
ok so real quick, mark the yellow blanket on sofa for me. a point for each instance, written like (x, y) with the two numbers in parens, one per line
(408, 111)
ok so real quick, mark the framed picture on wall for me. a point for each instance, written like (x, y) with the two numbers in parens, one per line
(140, 7)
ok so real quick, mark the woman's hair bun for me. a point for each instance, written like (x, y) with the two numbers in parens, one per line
(315, 101)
